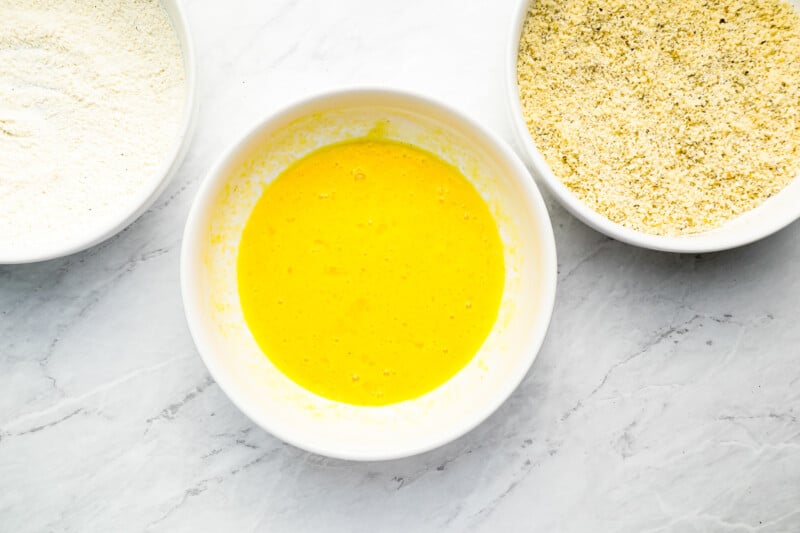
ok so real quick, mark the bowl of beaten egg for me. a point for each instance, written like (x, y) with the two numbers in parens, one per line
(368, 274)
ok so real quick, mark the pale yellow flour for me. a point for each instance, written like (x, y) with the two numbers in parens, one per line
(91, 99)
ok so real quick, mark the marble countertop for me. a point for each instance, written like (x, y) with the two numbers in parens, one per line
(665, 399)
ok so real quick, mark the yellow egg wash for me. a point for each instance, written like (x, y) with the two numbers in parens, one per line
(370, 272)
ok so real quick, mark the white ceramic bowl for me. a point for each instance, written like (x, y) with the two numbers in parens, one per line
(147, 195)
(270, 399)
(773, 215)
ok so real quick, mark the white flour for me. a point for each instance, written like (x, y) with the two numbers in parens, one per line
(91, 99)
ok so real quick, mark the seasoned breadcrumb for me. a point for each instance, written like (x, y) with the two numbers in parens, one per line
(667, 117)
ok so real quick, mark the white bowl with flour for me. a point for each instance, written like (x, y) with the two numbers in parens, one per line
(97, 104)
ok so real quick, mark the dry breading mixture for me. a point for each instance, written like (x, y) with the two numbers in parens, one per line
(91, 99)
(667, 117)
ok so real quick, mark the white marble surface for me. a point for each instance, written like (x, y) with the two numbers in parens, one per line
(666, 397)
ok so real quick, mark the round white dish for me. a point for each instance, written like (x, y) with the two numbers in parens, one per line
(245, 374)
(145, 197)
(771, 216)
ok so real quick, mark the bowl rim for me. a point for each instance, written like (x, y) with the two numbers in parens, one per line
(703, 242)
(171, 161)
(189, 274)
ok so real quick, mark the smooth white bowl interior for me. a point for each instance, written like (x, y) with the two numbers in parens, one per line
(208, 275)
(152, 188)
(771, 216)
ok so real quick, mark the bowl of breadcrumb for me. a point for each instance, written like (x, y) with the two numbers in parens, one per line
(673, 126)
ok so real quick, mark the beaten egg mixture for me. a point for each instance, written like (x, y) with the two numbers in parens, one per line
(370, 272)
